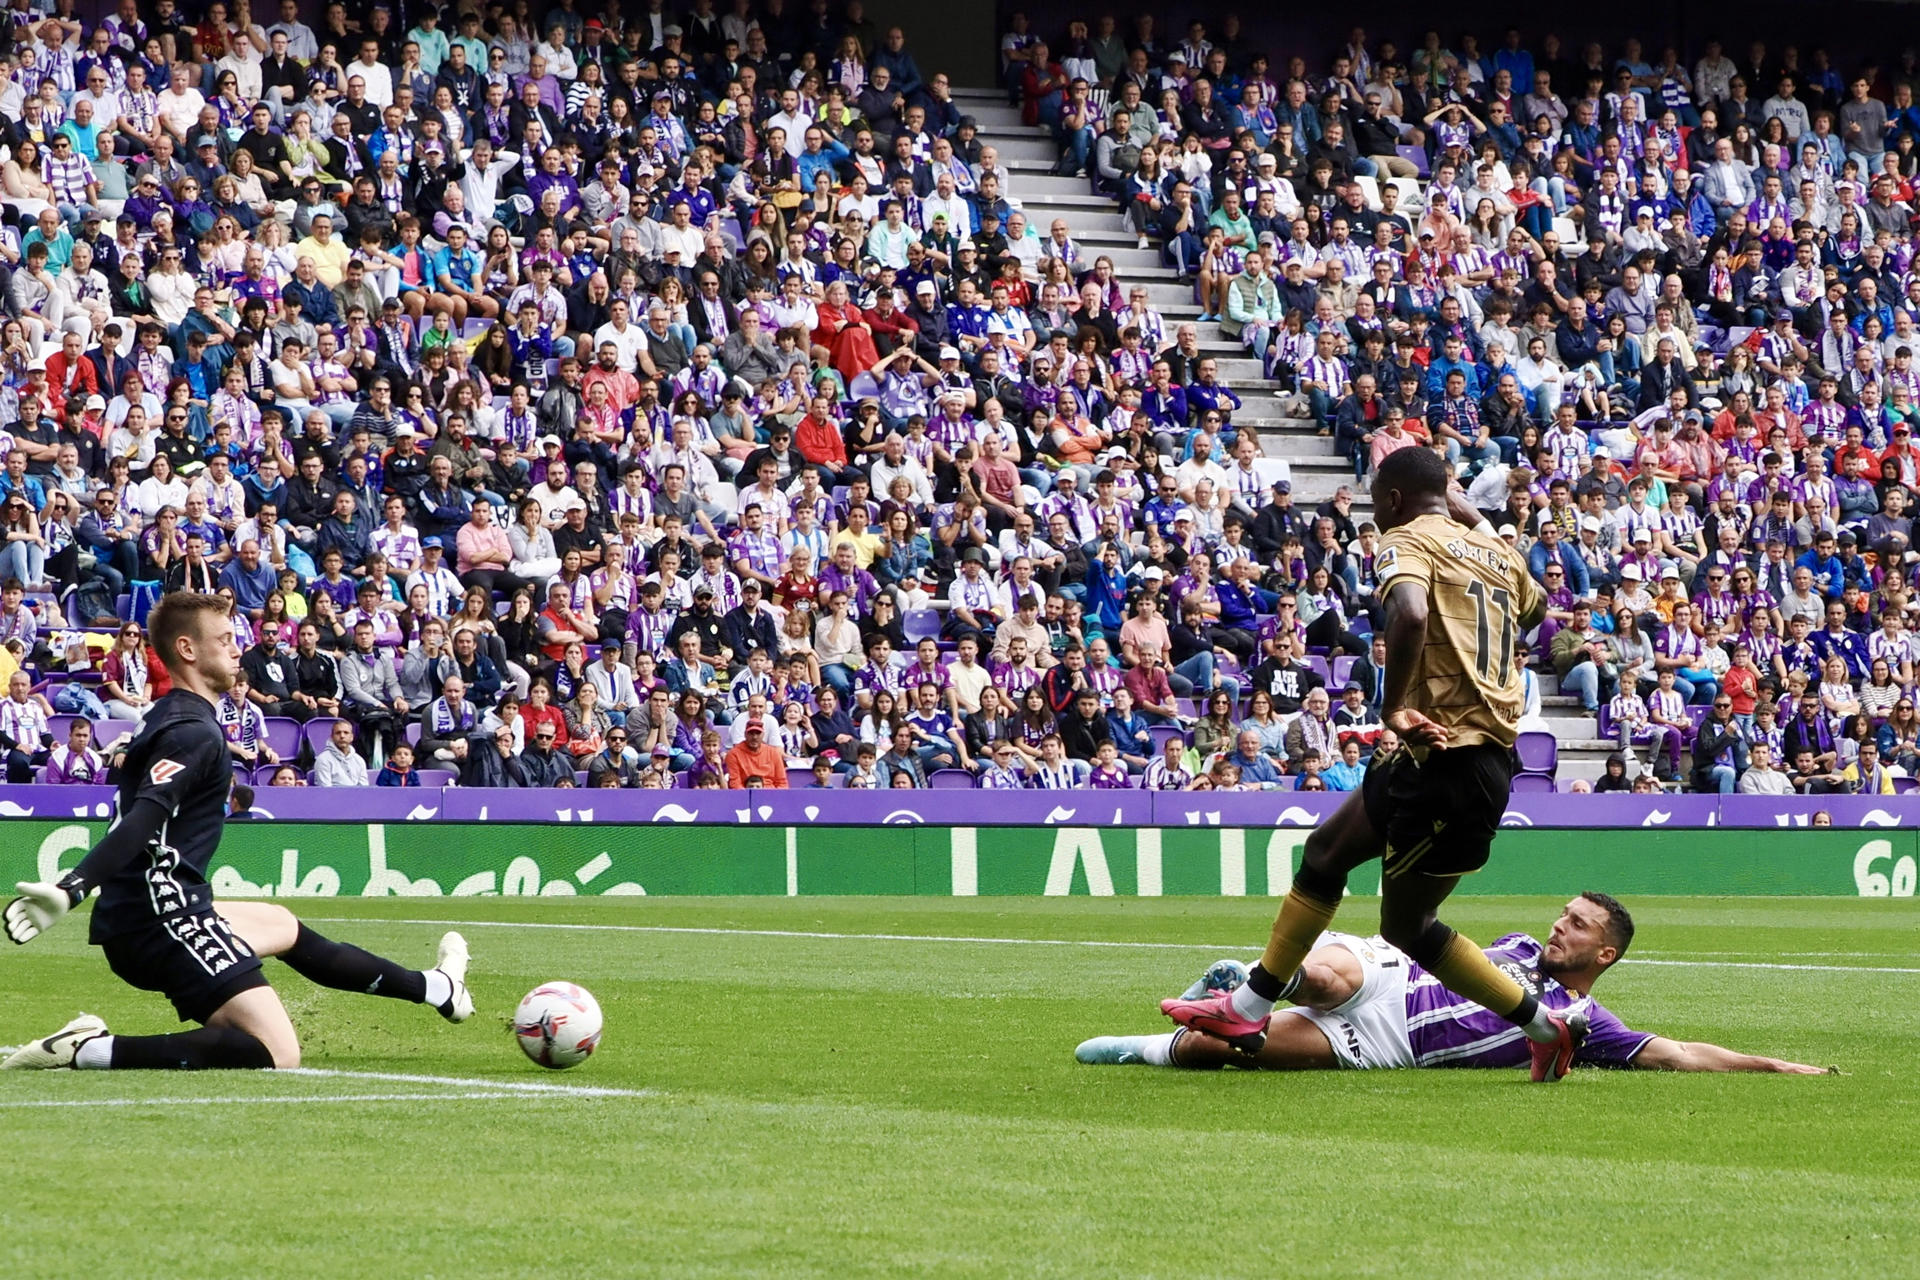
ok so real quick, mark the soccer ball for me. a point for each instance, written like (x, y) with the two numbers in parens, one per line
(558, 1025)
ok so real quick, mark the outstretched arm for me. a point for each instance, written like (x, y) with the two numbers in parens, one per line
(40, 906)
(1662, 1054)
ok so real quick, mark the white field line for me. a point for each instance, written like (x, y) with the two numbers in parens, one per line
(473, 1082)
(1796, 968)
(443, 1089)
(1788, 955)
(287, 1100)
(1217, 948)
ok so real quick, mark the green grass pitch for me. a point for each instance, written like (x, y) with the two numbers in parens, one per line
(864, 1105)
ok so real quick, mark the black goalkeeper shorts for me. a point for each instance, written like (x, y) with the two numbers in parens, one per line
(196, 961)
(1439, 816)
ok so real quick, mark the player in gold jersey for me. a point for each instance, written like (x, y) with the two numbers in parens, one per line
(1456, 598)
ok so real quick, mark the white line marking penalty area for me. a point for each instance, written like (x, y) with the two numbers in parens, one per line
(439, 1089)
(474, 1082)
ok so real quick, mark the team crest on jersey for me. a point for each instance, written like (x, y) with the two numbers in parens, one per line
(164, 771)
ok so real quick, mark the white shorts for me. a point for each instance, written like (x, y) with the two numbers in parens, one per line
(1369, 1031)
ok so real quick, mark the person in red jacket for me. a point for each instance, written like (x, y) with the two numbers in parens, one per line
(819, 442)
(70, 374)
(1043, 87)
(892, 327)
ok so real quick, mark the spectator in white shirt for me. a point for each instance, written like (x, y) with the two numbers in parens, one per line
(373, 73)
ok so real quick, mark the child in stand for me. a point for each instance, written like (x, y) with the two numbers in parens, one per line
(799, 687)
(1766, 728)
(1628, 712)
(398, 770)
(1741, 683)
(1108, 773)
(658, 770)
(864, 776)
(1001, 771)
(1667, 718)
(1226, 777)
(1713, 654)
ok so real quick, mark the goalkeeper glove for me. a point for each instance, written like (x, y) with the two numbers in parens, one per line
(38, 908)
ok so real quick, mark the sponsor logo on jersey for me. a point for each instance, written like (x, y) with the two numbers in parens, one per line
(164, 771)
(1386, 564)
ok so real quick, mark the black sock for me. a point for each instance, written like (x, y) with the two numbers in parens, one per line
(1525, 1013)
(347, 968)
(208, 1049)
(1263, 984)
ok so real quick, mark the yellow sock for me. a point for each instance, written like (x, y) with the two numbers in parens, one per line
(1465, 970)
(1298, 926)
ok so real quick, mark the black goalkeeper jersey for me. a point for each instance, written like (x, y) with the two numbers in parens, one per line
(180, 759)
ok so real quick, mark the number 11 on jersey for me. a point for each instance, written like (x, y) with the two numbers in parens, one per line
(1484, 653)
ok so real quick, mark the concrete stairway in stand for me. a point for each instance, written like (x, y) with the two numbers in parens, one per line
(1030, 155)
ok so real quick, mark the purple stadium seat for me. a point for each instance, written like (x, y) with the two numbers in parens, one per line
(1321, 666)
(1539, 753)
(1905, 786)
(60, 725)
(1607, 730)
(108, 732)
(1533, 782)
(437, 778)
(1160, 733)
(1343, 669)
(318, 731)
(950, 780)
(920, 624)
(283, 735)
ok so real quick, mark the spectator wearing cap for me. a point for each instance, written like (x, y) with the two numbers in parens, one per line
(753, 757)
(931, 333)
(751, 625)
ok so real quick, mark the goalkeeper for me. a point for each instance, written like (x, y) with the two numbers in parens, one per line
(155, 918)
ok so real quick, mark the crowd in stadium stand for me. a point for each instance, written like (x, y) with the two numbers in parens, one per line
(688, 399)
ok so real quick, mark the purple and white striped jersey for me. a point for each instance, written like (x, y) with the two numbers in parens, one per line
(1446, 1030)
